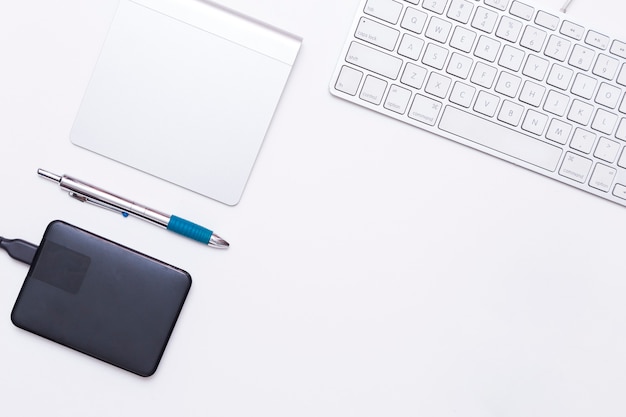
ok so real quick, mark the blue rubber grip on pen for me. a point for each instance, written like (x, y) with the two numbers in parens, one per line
(189, 229)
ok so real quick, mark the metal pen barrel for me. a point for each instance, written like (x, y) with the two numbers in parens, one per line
(92, 194)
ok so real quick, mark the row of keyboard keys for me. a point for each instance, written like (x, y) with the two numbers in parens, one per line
(426, 111)
(389, 10)
(485, 75)
(511, 58)
(485, 18)
(509, 29)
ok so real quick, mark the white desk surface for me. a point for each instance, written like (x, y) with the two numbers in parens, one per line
(375, 270)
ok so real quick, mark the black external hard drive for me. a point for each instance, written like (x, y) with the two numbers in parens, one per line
(100, 298)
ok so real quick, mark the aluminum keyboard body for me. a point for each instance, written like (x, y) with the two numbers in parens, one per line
(527, 85)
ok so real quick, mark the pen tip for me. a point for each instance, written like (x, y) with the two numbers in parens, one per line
(49, 175)
(218, 242)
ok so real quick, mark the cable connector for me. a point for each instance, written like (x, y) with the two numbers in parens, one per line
(565, 6)
(19, 249)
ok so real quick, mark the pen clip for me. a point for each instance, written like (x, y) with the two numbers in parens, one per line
(85, 199)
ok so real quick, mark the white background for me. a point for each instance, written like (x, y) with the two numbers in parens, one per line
(375, 270)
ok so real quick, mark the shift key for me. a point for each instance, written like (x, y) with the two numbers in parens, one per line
(374, 60)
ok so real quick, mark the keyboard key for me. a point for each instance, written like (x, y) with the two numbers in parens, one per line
(618, 48)
(511, 58)
(521, 10)
(487, 48)
(373, 60)
(397, 99)
(575, 167)
(348, 80)
(572, 30)
(425, 110)
(597, 40)
(459, 65)
(602, 177)
(606, 67)
(510, 113)
(484, 19)
(414, 75)
(535, 122)
(532, 93)
(560, 77)
(547, 20)
(411, 47)
(608, 95)
(509, 29)
(558, 131)
(508, 84)
(580, 112)
(607, 150)
(536, 67)
(435, 56)
(377, 34)
(438, 85)
(462, 39)
(557, 48)
(486, 103)
(387, 10)
(620, 191)
(484, 75)
(583, 140)
(460, 10)
(581, 57)
(584, 86)
(462, 94)
(373, 90)
(438, 30)
(414, 20)
(604, 121)
(436, 6)
(533, 38)
(556, 103)
(498, 4)
(499, 138)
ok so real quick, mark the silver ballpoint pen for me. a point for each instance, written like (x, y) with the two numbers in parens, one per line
(91, 194)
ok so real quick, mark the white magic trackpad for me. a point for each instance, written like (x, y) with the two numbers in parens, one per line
(185, 90)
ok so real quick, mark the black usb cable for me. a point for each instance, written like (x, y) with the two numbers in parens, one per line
(19, 249)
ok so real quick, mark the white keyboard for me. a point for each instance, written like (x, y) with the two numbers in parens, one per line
(529, 86)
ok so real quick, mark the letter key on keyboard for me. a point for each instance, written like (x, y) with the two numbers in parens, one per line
(506, 77)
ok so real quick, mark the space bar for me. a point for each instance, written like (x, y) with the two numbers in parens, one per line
(500, 138)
